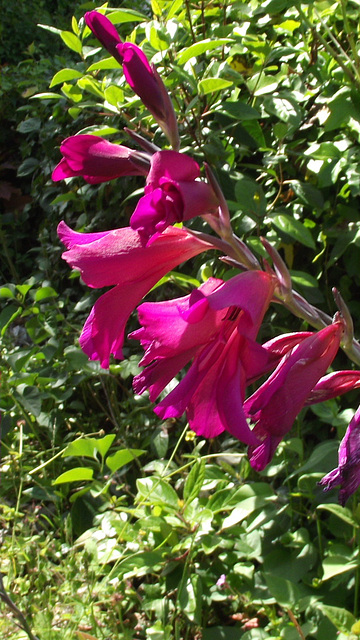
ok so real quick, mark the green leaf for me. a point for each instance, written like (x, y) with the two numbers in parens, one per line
(8, 315)
(294, 229)
(5, 292)
(201, 47)
(126, 15)
(156, 491)
(285, 592)
(245, 508)
(336, 565)
(261, 84)
(194, 481)
(74, 26)
(211, 85)
(190, 598)
(340, 512)
(44, 293)
(240, 110)
(98, 130)
(250, 197)
(323, 458)
(64, 75)
(72, 41)
(46, 95)
(72, 92)
(122, 457)
(106, 63)
(29, 125)
(27, 167)
(30, 398)
(89, 447)
(140, 564)
(174, 8)
(341, 618)
(114, 95)
(308, 194)
(288, 26)
(78, 474)
(88, 83)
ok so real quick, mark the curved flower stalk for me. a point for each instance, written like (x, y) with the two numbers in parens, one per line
(275, 404)
(173, 194)
(118, 258)
(214, 327)
(98, 160)
(142, 77)
(347, 473)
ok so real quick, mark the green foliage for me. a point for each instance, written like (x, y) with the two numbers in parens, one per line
(114, 521)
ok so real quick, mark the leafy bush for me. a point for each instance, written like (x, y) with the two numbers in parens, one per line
(122, 524)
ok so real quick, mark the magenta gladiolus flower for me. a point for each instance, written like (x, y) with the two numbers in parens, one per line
(97, 160)
(172, 194)
(119, 258)
(215, 327)
(275, 404)
(142, 77)
(347, 474)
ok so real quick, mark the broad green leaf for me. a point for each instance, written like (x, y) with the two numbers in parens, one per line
(72, 41)
(211, 85)
(64, 75)
(308, 194)
(140, 564)
(78, 474)
(88, 83)
(5, 292)
(261, 84)
(45, 292)
(30, 398)
(294, 229)
(322, 459)
(286, 593)
(29, 125)
(194, 481)
(340, 512)
(72, 92)
(341, 618)
(245, 508)
(336, 565)
(240, 110)
(250, 197)
(106, 63)
(154, 490)
(27, 167)
(114, 95)
(123, 457)
(126, 15)
(201, 47)
(288, 26)
(89, 447)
